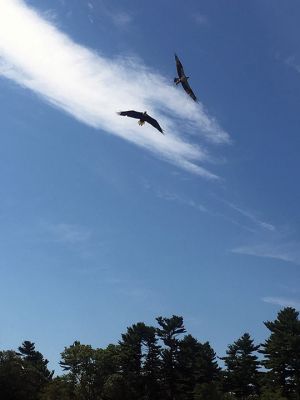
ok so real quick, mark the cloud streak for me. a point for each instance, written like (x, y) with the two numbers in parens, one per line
(262, 224)
(91, 88)
(282, 302)
(67, 233)
(289, 252)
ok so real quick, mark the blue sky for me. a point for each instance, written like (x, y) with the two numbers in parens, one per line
(105, 223)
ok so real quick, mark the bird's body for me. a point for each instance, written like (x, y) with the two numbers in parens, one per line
(183, 79)
(142, 117)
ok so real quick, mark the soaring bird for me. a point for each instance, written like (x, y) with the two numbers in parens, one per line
(143, 117)
(183, 79)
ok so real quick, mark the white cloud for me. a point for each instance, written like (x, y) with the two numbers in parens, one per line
(291, 62)
(289, 252)
(67, 233)
(121, 19)
(91, 88)
(282, 302)
(173, 197)
(90, 6)
(246, 213)
(200, 19)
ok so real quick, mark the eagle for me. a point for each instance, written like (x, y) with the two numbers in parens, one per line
(183, 79)
(143, 117)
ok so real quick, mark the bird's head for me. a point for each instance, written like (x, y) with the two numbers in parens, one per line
(145, 112)
(187, 77)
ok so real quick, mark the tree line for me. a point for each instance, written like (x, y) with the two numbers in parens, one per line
(162, 363)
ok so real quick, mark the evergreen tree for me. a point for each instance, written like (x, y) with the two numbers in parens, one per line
(13, 383)
(207, 368)
(116, 388)
(106, 364)
(151, 365)
(140, 362)
(170, 329)
(35, 359)
(282, 352)
(58, 389)
(78, 360)
(35, 369)
(241, 375)
(197, 367)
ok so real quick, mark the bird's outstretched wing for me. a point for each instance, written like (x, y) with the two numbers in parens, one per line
(154, 123)
(188, 90)
(131, 114)
(179, 67)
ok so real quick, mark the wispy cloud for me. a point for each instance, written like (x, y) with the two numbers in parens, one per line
(91, 88)
(210, 207)
(171, 196)
(252, 217)
(289, 251)
(67, 233)
(50, 15)
(292, 62)
(174, 197)
(282, 302)
(120, 18)
(200, 19)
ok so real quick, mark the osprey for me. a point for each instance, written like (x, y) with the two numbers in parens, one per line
(143, 117)
(183, 79)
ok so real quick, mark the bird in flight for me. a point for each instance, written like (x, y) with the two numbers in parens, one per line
(183, 79)
(143, 117)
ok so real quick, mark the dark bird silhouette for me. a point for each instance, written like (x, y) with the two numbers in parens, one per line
(183, 79)
(143, 117)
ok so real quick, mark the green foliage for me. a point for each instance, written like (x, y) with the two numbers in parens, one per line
(12, 377)
(78, 360)
(35, 365)
(159, 363)
(168, 331)
(197, 367)
(282, 352)
(23, 375)
(140, 360)
(271, 394)
(207, 391)
(116, 388)
(58, 389)
(241, 375)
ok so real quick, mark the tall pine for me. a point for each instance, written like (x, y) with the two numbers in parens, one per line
(282, 352)
(169, 331)
(241, 376)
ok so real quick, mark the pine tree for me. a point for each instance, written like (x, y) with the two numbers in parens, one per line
(35, 359)
(139, 354)
(78, 360)
(35, 369)
(241, 375)
(197, 367)
(170, 329)
(13, 382)
(151, 365)
(282, 352)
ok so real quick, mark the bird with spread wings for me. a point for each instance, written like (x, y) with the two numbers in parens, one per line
(143, 117)
(183, 79)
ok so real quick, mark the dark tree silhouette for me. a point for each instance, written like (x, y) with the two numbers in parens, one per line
(282, 352)
(168, 331)
(241, 375)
